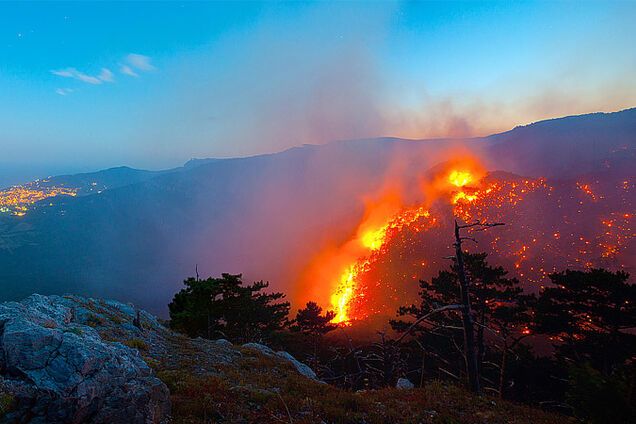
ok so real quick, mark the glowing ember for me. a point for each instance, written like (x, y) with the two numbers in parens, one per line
(585, 188)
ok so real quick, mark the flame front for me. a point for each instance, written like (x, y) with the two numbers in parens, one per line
(373, 239)
(352, 267)
(342, 298)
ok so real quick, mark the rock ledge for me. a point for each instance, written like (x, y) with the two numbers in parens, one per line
(55, 367)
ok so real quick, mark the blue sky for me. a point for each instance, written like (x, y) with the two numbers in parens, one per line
(91, 85)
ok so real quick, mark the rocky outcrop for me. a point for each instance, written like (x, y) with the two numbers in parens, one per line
(56, 368)
(300, 367)
(69, 359)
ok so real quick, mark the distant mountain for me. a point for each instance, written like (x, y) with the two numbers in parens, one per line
(566, 147)
(265, 216)
(88, 183)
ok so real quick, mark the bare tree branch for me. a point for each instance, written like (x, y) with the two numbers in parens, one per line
(423, 317)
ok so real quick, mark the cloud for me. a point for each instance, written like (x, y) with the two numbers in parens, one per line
(64, 91)
(75, 74)
(133, 63)
(140, 62)
(127, 70)
(104, 76)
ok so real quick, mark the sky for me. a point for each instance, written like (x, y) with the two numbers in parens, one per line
(90, 85)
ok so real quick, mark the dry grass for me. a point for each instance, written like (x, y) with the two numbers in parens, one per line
(264, 390)
(136, 344)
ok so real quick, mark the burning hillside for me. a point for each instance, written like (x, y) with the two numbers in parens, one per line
(551, 225)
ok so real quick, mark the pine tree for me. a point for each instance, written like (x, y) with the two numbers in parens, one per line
(591, 316)
(225, 307)
(314, 325)
(499, 310)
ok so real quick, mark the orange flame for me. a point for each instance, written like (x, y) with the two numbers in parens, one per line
(373, 240)
(460, 178)
(351, 268)
(377, 228)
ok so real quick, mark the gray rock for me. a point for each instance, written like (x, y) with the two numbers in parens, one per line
(404, 383)
(300, 367)
(265, 350)
(58, 369)
(224, 343)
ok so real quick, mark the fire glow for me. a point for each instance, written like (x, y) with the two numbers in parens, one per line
(374, 239)
(373, 269)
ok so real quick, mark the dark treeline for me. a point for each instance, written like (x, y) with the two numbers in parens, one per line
(583, 326)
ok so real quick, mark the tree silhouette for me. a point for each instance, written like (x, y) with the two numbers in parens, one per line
(314, 325)
(310, 320)
(498, 308)
(591, 318)
(224, 307)
(589, 314)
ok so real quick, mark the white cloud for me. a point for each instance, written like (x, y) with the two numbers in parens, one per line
(127, 70)
(132, 65)
(64, 91)
(104, 76)
(75, 74)
(139, 61)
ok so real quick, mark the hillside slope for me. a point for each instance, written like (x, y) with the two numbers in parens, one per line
(87, 360)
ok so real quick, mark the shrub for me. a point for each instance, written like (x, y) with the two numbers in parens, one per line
(6, 403)
(75, 330)
(136, 344)
(93, 320)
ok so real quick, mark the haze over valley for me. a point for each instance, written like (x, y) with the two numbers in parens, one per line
(134, 234)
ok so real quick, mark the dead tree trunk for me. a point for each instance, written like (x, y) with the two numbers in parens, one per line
(502, 369)
(467, 318)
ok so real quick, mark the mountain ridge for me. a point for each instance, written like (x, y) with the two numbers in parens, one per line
(264, 215)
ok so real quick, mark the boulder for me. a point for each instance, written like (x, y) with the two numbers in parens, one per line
(57, 369)
(265, 350)
(404, 383)
(300, 367)
(303, 369)
(224, 343)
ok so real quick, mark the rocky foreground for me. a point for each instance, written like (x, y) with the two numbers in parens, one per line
(68, 359)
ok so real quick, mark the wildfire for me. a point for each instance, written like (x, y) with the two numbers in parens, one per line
(343, 296)
(387, 248)
(373, 240)
(460, 178)
(463, 196)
